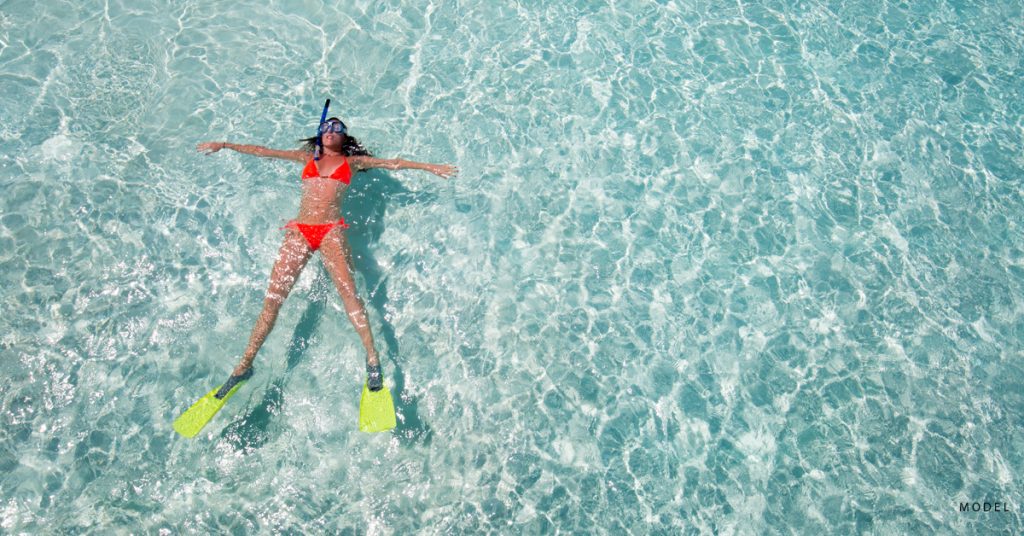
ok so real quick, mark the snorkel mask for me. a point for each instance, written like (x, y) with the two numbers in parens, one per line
(333, 125)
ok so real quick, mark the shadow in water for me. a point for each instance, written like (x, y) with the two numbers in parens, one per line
(368, 198)
(252, 430)
(365, 208)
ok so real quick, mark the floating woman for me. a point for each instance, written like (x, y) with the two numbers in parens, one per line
(332, 158)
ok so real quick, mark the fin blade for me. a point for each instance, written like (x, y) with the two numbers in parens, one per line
(376, 410)
(195, 418)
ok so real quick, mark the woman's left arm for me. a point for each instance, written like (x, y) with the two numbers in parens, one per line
(369, 162)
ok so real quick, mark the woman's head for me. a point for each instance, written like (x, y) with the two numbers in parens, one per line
(332, 132)
(334, 136)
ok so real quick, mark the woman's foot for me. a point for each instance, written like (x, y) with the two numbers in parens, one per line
(374, 377)
(234, 380)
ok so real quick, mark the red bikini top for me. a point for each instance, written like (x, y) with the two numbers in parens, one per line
(343, 173)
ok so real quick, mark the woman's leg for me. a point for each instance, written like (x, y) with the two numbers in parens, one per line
(290, 261)
(337, 257)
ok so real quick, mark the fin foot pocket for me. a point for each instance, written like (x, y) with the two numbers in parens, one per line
(374, 378)
(233, 381)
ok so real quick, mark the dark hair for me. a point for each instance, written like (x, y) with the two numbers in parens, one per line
(349, 145)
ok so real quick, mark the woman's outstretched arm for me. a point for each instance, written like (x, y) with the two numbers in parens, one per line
(211, 147)
(368, 162)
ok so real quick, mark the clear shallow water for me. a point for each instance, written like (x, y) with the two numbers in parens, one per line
(750, 268)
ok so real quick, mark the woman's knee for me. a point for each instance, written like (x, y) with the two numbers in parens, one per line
(358, 318)
(271, 306)
(279, 289)
(352, 302)
(275, 297)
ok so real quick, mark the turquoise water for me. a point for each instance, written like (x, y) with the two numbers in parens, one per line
(750, 268)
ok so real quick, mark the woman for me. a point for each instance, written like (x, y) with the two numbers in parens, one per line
(319, 226)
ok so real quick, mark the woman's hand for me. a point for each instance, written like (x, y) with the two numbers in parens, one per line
(210, 147)
(443, 170)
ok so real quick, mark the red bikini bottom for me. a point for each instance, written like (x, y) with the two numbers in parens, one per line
(315, 232)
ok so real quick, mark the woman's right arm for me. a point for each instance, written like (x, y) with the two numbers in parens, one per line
(211, 147)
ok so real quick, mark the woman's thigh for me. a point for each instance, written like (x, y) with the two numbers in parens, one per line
(291, 259)
(338, 260)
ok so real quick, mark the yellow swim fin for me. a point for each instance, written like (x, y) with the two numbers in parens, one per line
(195, 418)
(376, 410)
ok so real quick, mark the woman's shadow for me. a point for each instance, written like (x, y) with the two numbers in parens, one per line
(368, 197)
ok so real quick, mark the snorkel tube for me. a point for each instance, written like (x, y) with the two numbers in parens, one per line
(319, 132)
